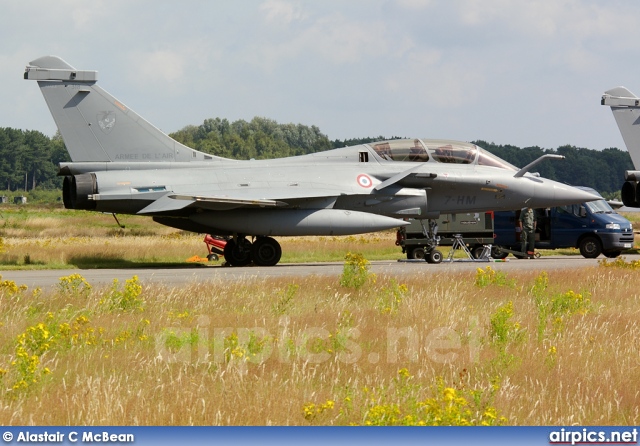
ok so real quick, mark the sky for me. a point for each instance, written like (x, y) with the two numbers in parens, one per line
(520, 72)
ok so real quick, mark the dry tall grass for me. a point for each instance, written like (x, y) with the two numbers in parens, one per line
(173, 247)
(59, 238)
(309, 351)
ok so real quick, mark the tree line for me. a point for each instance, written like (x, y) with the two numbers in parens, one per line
(29, 159)
(260, 138)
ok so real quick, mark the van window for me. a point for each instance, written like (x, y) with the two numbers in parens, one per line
(570, 209)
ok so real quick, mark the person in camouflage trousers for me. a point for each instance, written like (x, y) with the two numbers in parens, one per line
(527, 225)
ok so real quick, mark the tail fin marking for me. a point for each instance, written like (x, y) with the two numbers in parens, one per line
(95, 126)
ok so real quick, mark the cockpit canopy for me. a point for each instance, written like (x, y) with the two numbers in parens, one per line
(437, 150)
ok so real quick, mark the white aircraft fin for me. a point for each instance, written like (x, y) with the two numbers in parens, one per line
(626, 110)
(96, 126)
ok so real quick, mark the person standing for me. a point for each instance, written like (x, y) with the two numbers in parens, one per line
(527, 225)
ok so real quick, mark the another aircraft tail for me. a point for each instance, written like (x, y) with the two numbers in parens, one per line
(95, 126)
(626, 109)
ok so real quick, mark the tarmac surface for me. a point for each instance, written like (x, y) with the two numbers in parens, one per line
(216, 273)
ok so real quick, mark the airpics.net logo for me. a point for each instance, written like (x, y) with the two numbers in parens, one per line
(589, 436)
(219, 345)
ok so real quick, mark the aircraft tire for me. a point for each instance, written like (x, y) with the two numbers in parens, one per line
(590, 247)
(417, 253)
(238, 254)
(434, 256)
(266, 251)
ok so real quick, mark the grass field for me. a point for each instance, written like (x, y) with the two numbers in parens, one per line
(468, 348)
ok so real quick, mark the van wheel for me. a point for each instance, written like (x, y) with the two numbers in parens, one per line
(590, 247)
(612, 254)
(417, 253)
(434, 256)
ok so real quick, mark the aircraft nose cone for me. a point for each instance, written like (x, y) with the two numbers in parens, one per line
(550, 193)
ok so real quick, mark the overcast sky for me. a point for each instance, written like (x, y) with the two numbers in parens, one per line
(519, 72)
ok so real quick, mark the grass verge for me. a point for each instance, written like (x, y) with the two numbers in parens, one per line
(439, 348)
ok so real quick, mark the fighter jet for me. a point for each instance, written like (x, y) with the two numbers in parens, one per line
(626, 109)
(123, 164)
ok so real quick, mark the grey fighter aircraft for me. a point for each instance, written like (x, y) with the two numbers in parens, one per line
(123, 164)
(626, 110)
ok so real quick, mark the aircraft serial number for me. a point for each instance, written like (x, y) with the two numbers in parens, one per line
(461, 199)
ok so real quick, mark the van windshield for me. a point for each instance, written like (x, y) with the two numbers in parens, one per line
(599, 207)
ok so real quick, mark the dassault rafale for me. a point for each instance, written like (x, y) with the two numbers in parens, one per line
(123, 164)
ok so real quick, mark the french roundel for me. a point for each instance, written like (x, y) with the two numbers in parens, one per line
(364, 180)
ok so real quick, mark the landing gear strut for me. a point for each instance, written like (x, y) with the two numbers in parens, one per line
(432, 255)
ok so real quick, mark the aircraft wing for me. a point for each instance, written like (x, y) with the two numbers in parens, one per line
(615, 204)
(222, 200)
(174, 202)
(227, 200)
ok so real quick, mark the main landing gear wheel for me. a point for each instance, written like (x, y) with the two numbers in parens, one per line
(238, 252)
(434, 256)
(266, 251)
(417, 253)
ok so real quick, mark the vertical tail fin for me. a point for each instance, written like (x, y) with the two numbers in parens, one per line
(626, 109)
(96, 126)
